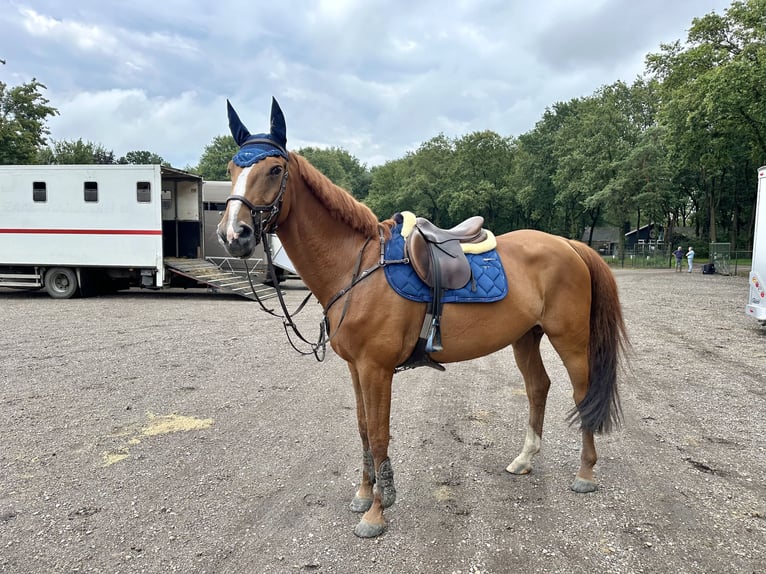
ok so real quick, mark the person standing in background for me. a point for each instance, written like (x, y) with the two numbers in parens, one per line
(679, 253)
(690, 257)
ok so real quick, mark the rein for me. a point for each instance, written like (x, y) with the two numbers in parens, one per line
(264, 227)
(268, 225)
(318, 349)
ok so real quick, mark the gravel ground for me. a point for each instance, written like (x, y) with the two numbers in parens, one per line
(178, 432)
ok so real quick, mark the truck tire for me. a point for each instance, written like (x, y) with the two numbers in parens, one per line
(61, 282)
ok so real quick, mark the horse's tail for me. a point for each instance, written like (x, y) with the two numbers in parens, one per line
(600, 410)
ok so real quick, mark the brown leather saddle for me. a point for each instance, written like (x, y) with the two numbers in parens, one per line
(438, 258)
(436, 254)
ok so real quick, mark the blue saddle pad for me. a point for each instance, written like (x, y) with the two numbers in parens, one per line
(487, 285)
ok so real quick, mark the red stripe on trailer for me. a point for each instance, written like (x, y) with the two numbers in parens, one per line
(83, 231)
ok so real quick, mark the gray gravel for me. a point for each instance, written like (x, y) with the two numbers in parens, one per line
(178, 432)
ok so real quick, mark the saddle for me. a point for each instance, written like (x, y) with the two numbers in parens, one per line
(437, 254)
(438, 258)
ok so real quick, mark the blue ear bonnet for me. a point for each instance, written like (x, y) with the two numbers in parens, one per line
(251, 153)
(254, 148)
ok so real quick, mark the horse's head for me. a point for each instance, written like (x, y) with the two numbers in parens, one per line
(258, 176)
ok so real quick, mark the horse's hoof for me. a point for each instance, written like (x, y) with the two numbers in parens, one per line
(360, 504)
(369, 530)
(518, 468)
(582, 485)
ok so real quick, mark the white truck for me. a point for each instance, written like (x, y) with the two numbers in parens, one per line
(81, 229)
(756, 305)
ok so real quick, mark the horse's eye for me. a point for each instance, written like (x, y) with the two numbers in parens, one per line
(276, 170)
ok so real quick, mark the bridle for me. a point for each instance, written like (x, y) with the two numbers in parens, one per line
(264, 219)
(268, 224)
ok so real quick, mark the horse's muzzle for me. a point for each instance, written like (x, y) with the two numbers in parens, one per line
(241, 243)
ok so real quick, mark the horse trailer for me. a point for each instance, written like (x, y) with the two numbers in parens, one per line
(83, 229)
(756, 305)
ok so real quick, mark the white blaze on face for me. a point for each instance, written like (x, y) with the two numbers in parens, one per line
(234, 206)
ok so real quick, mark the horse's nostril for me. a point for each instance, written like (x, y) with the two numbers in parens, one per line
(245, 232)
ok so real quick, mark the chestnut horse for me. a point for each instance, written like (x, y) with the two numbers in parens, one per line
(556, 287)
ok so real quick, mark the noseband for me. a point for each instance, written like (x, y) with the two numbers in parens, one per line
(268, 224)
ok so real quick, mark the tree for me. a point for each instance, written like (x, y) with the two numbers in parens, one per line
(214, 163)
(534, 167)
(448, 180)
(341, 167)
(23, 112)
(75, 152)
(387, 183)
(142, 157)
(431, 180)
(714, 112)
(482, 168)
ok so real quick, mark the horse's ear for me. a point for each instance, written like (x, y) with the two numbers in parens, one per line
(278, 129)
(238, 129)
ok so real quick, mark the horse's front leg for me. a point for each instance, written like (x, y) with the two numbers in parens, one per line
(363, 498)
(373, 383)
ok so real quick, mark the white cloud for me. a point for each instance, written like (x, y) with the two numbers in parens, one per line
(85, 37)
(127, 120)
(377, 77)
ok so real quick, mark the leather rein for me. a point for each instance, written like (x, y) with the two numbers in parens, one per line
(266, 225)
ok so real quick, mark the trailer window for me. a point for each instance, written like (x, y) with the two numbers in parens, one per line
(167, 200)
(39, 191)
(214, 206)
(144, 191)
(91, 190)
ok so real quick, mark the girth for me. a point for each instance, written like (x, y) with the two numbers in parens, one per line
(438, 259)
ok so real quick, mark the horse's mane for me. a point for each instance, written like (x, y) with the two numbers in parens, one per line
(340, 203)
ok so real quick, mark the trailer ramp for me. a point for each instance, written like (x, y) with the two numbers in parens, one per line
(218, 278)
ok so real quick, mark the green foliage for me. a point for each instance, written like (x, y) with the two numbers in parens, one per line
(449, 180)
(535, 165)
(714, 116)
(341, 167)
(214, 163)
(23, 112)
(386, 195)
(75, 152)
(142, 157)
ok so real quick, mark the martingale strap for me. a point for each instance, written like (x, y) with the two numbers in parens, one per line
(425, 344)
(318, 349)
(357, 277)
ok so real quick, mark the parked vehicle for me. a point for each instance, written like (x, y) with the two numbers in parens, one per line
(83, 229)
(756, 305)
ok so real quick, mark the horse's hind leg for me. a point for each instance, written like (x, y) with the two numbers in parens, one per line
(585, 480)
(536, 381)
(575, 358)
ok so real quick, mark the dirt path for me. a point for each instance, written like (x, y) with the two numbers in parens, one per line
(177, 432)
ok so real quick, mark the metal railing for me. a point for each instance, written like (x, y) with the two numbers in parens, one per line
(736, 262)
(236, 265)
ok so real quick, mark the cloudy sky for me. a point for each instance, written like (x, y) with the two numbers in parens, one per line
(374, 77)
